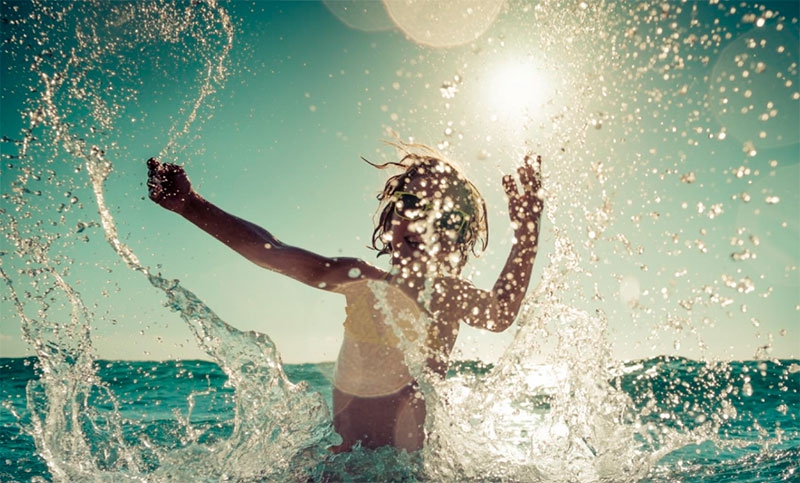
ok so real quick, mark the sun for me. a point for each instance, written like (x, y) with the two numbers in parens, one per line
(517, 90)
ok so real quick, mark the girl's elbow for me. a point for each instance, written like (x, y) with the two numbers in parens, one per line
(499, 324)
(504, 325)
(501, 318)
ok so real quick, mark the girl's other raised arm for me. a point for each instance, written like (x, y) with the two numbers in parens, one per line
(497, 309)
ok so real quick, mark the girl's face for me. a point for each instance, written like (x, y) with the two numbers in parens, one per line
(429, 217)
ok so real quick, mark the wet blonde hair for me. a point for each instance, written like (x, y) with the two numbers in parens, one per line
(420, 161)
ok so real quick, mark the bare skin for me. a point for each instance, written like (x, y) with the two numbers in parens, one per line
(395, 419)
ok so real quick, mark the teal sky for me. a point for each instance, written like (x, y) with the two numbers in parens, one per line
(669, 137)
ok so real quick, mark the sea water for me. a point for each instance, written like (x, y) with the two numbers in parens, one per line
(557, 405)
(166, 406)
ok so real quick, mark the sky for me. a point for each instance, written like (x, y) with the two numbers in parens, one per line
(669, 133)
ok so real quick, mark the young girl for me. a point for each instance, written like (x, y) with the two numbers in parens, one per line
(431, 217)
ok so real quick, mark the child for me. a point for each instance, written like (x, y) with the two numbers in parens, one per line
(431, 218)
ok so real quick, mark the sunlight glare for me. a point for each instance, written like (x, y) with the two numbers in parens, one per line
(517, 90)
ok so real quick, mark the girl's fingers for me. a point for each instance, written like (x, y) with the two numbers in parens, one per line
(509, 185)
(525, 176)
(536, 175)
(530, 158)
(530, 173)
(154, 190)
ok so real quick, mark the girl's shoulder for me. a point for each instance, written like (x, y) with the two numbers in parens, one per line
(356, 273)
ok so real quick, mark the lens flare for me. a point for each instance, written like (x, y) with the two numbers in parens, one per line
(443, 24)
(360, 15)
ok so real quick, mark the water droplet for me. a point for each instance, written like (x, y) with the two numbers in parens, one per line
(715, 211)
(354, 273)
(743, 255)
(448, 90)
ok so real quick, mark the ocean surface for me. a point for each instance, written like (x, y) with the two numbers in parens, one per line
(695, 421)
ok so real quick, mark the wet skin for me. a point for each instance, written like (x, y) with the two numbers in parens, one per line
(421, 250)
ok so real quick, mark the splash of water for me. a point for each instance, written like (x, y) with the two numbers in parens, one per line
(275, 421)
(516, 423)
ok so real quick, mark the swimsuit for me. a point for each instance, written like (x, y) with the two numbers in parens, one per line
(371, 361)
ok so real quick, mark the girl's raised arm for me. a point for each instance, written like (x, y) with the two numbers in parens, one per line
(497, 309)
(169, 187)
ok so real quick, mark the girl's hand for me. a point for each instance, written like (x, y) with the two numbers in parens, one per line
(168, 185)
(525, 208)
